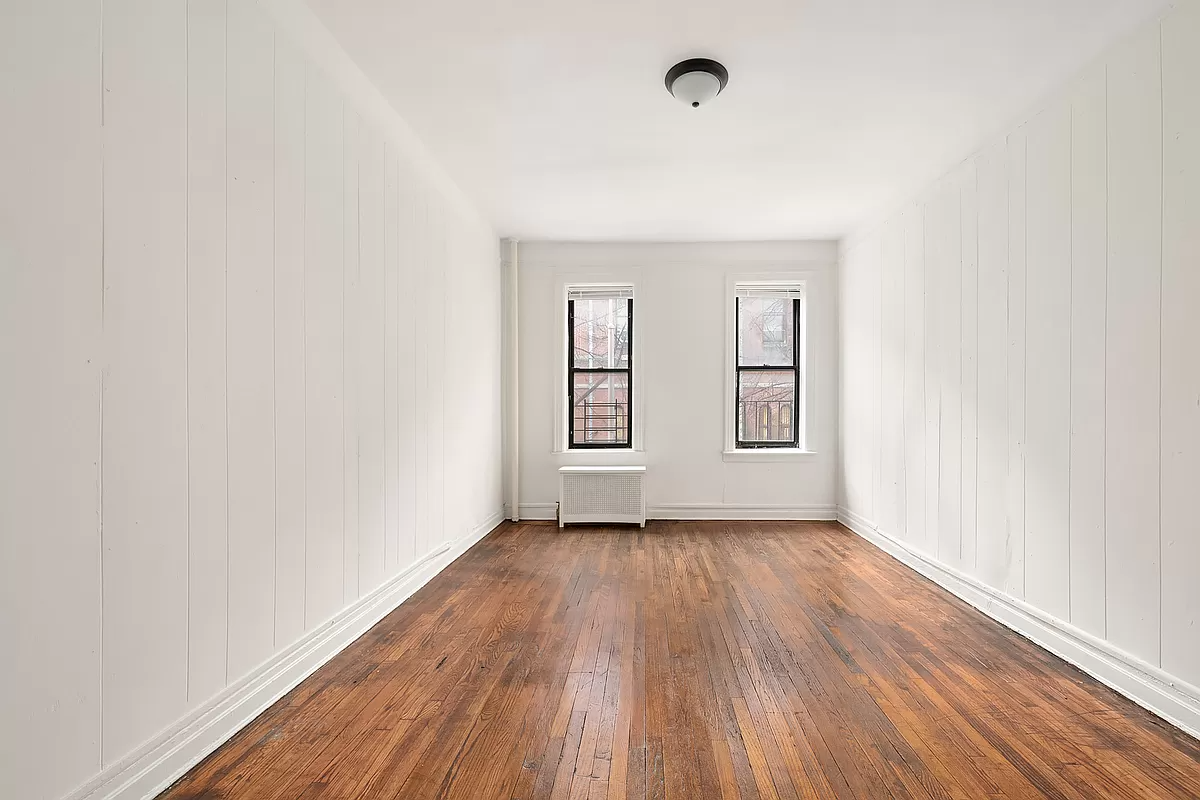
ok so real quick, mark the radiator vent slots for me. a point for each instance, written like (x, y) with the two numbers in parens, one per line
(601, 494)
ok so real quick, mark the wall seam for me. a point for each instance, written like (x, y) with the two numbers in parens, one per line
(342, 292)
(1024, 449)
(903, 294)
(103, 367)
(924, 368)
(345, 393)
(978, 271)
(274, 346)
(1107, 246)
(1005, 581)
(961, 352)
(187, 338)
(878, 488)
(304, 353)
(358, 343)
(1070, 338)
(226, 319)
(1162, 235)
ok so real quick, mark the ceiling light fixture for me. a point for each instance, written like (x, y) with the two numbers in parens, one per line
(696, 81)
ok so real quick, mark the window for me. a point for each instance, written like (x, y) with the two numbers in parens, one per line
(769, 368)
(599, 367)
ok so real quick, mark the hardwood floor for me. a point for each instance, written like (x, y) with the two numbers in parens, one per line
(694, 660)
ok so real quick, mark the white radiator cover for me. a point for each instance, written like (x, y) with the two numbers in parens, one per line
(601, 494)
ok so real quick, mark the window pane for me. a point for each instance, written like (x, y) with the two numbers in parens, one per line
(766, 403)
(766, 331)
(601, 336)
(600, 408)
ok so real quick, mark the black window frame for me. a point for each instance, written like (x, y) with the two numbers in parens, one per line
(572, 370)
(797, 340)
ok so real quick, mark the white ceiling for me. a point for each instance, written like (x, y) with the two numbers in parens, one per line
(552, 115)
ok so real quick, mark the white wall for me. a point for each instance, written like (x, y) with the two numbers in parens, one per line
(230, 282)
(1021, 385)
(679, 340)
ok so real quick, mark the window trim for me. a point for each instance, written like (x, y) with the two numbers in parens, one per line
(811, 282)
(797, 381)
(572, 371)
(574, 279)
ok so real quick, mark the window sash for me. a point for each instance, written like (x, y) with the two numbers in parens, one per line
(793, 424)
(600, 293)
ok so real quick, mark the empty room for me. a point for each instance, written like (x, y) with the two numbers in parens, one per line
(582, 400)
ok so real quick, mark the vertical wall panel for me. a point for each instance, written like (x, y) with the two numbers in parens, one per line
(891, 501)
(969, 219)
(1180, 337)
(991, 533)
(371, 336)
(859, 374)
(422, 316)
(1133, 353)
(847, 410)
(1089, 200)
(290, 219)
(849, 406)
(350, 350)
(207, 459)
(406, 305)
(323, 474)
(436, 326)
(456, 514)
(1014, 574)
(145, 390)
(950, 356)
(182, 241)
(914, 374)
(391, 360)
(873, 298)
(491, 427)
(934, 313)
(50, 295)
(251, 338)
(1048, 363)
(850, 384)
(877, 400)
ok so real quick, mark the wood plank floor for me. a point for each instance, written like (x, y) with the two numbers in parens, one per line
(694, 660)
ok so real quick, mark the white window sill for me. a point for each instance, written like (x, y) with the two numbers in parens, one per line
(599, 452)
(767, 454)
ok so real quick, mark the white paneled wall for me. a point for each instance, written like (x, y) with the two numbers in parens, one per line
(250, 341)
(1021, 387)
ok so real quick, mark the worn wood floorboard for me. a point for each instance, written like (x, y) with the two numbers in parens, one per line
(694, 660)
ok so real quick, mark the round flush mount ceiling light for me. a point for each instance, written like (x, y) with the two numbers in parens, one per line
(696, 81)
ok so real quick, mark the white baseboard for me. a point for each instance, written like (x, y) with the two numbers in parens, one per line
(735, 511)
(539, 511)
(164, 759)
(703, 511)
(1145, 684)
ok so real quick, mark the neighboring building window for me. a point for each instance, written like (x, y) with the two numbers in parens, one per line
(769, 366)
(599, 367)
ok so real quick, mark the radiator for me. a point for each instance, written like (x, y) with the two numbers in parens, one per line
(601, 494)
